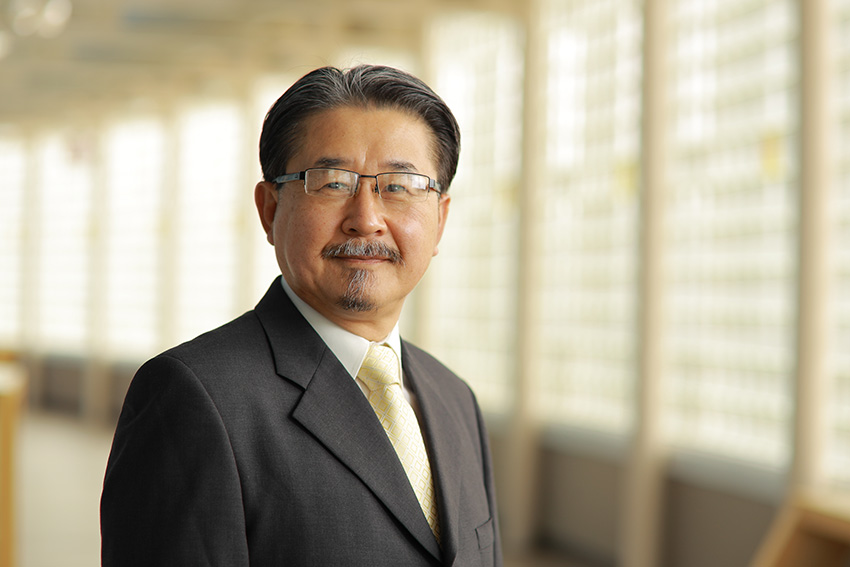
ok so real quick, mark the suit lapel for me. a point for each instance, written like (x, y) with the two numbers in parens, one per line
(445, 451)
(337, 413)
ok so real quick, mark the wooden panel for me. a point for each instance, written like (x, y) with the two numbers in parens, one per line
(11, 396)
(811, 531)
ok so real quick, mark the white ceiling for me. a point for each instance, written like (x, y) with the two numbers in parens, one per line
(116, 48)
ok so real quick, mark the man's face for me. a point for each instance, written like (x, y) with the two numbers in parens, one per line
(356, 289)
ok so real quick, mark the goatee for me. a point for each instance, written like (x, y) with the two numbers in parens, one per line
(356, 297)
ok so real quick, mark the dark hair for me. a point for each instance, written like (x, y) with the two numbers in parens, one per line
(362, 86)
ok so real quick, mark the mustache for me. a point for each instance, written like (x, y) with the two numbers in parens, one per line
(363, 249)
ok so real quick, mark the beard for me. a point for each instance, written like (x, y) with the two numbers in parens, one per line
(357, 297)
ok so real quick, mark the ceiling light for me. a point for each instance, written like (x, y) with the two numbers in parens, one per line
(54, 17)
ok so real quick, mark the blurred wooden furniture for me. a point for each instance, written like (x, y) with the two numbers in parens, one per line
(810, 531)
(12, 385)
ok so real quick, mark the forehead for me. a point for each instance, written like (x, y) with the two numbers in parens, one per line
(356, 137)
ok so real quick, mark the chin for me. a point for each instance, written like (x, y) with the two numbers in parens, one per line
(356, 297)
(357, 304)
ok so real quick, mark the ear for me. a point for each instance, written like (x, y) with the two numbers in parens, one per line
(265, 197)
(442, 214)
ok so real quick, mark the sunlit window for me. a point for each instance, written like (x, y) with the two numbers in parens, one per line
(12, 190)
(135, 151)
(837, 463)
(480, 76)
(209, 196)
(732, 227)
(589, 207)
(64, 233)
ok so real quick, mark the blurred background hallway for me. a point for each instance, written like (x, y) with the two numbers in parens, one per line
(645, 275)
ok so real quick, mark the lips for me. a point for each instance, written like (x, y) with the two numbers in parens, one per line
(362, 258)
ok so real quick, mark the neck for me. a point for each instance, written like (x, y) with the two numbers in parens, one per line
(373, 325)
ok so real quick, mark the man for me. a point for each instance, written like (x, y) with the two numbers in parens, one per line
(306, 432)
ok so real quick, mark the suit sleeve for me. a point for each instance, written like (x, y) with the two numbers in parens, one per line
(490, 486)
(171, 493)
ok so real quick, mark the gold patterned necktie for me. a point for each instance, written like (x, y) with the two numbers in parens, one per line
(380, 373)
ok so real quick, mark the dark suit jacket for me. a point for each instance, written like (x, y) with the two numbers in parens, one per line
(251, 445)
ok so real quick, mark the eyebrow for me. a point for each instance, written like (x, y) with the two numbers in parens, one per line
(391, 165)
(398, 165)
(328, 162)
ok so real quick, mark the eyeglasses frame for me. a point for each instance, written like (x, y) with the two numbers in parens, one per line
(433, 184)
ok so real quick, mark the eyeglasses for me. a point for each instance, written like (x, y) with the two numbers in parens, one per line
(340, 184)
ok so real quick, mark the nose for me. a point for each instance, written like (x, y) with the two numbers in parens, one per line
(364, 212)
(371, 184)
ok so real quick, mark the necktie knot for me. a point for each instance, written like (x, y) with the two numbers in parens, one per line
(379, 368)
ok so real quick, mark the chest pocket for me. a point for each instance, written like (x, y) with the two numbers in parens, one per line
(486, 536)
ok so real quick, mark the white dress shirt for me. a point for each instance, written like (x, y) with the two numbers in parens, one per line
(349, 348)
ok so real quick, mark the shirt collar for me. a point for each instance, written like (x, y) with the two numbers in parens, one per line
(349, 348)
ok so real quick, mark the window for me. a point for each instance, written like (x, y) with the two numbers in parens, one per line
(13, 164)
(208, 201)
(135, 150)
(589, 207)
(64, 233)
(473, 279)
(732, 227)
(837, 465)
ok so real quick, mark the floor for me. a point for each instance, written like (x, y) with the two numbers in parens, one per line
(60, 474)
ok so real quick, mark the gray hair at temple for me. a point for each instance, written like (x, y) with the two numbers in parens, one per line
(363, 86)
